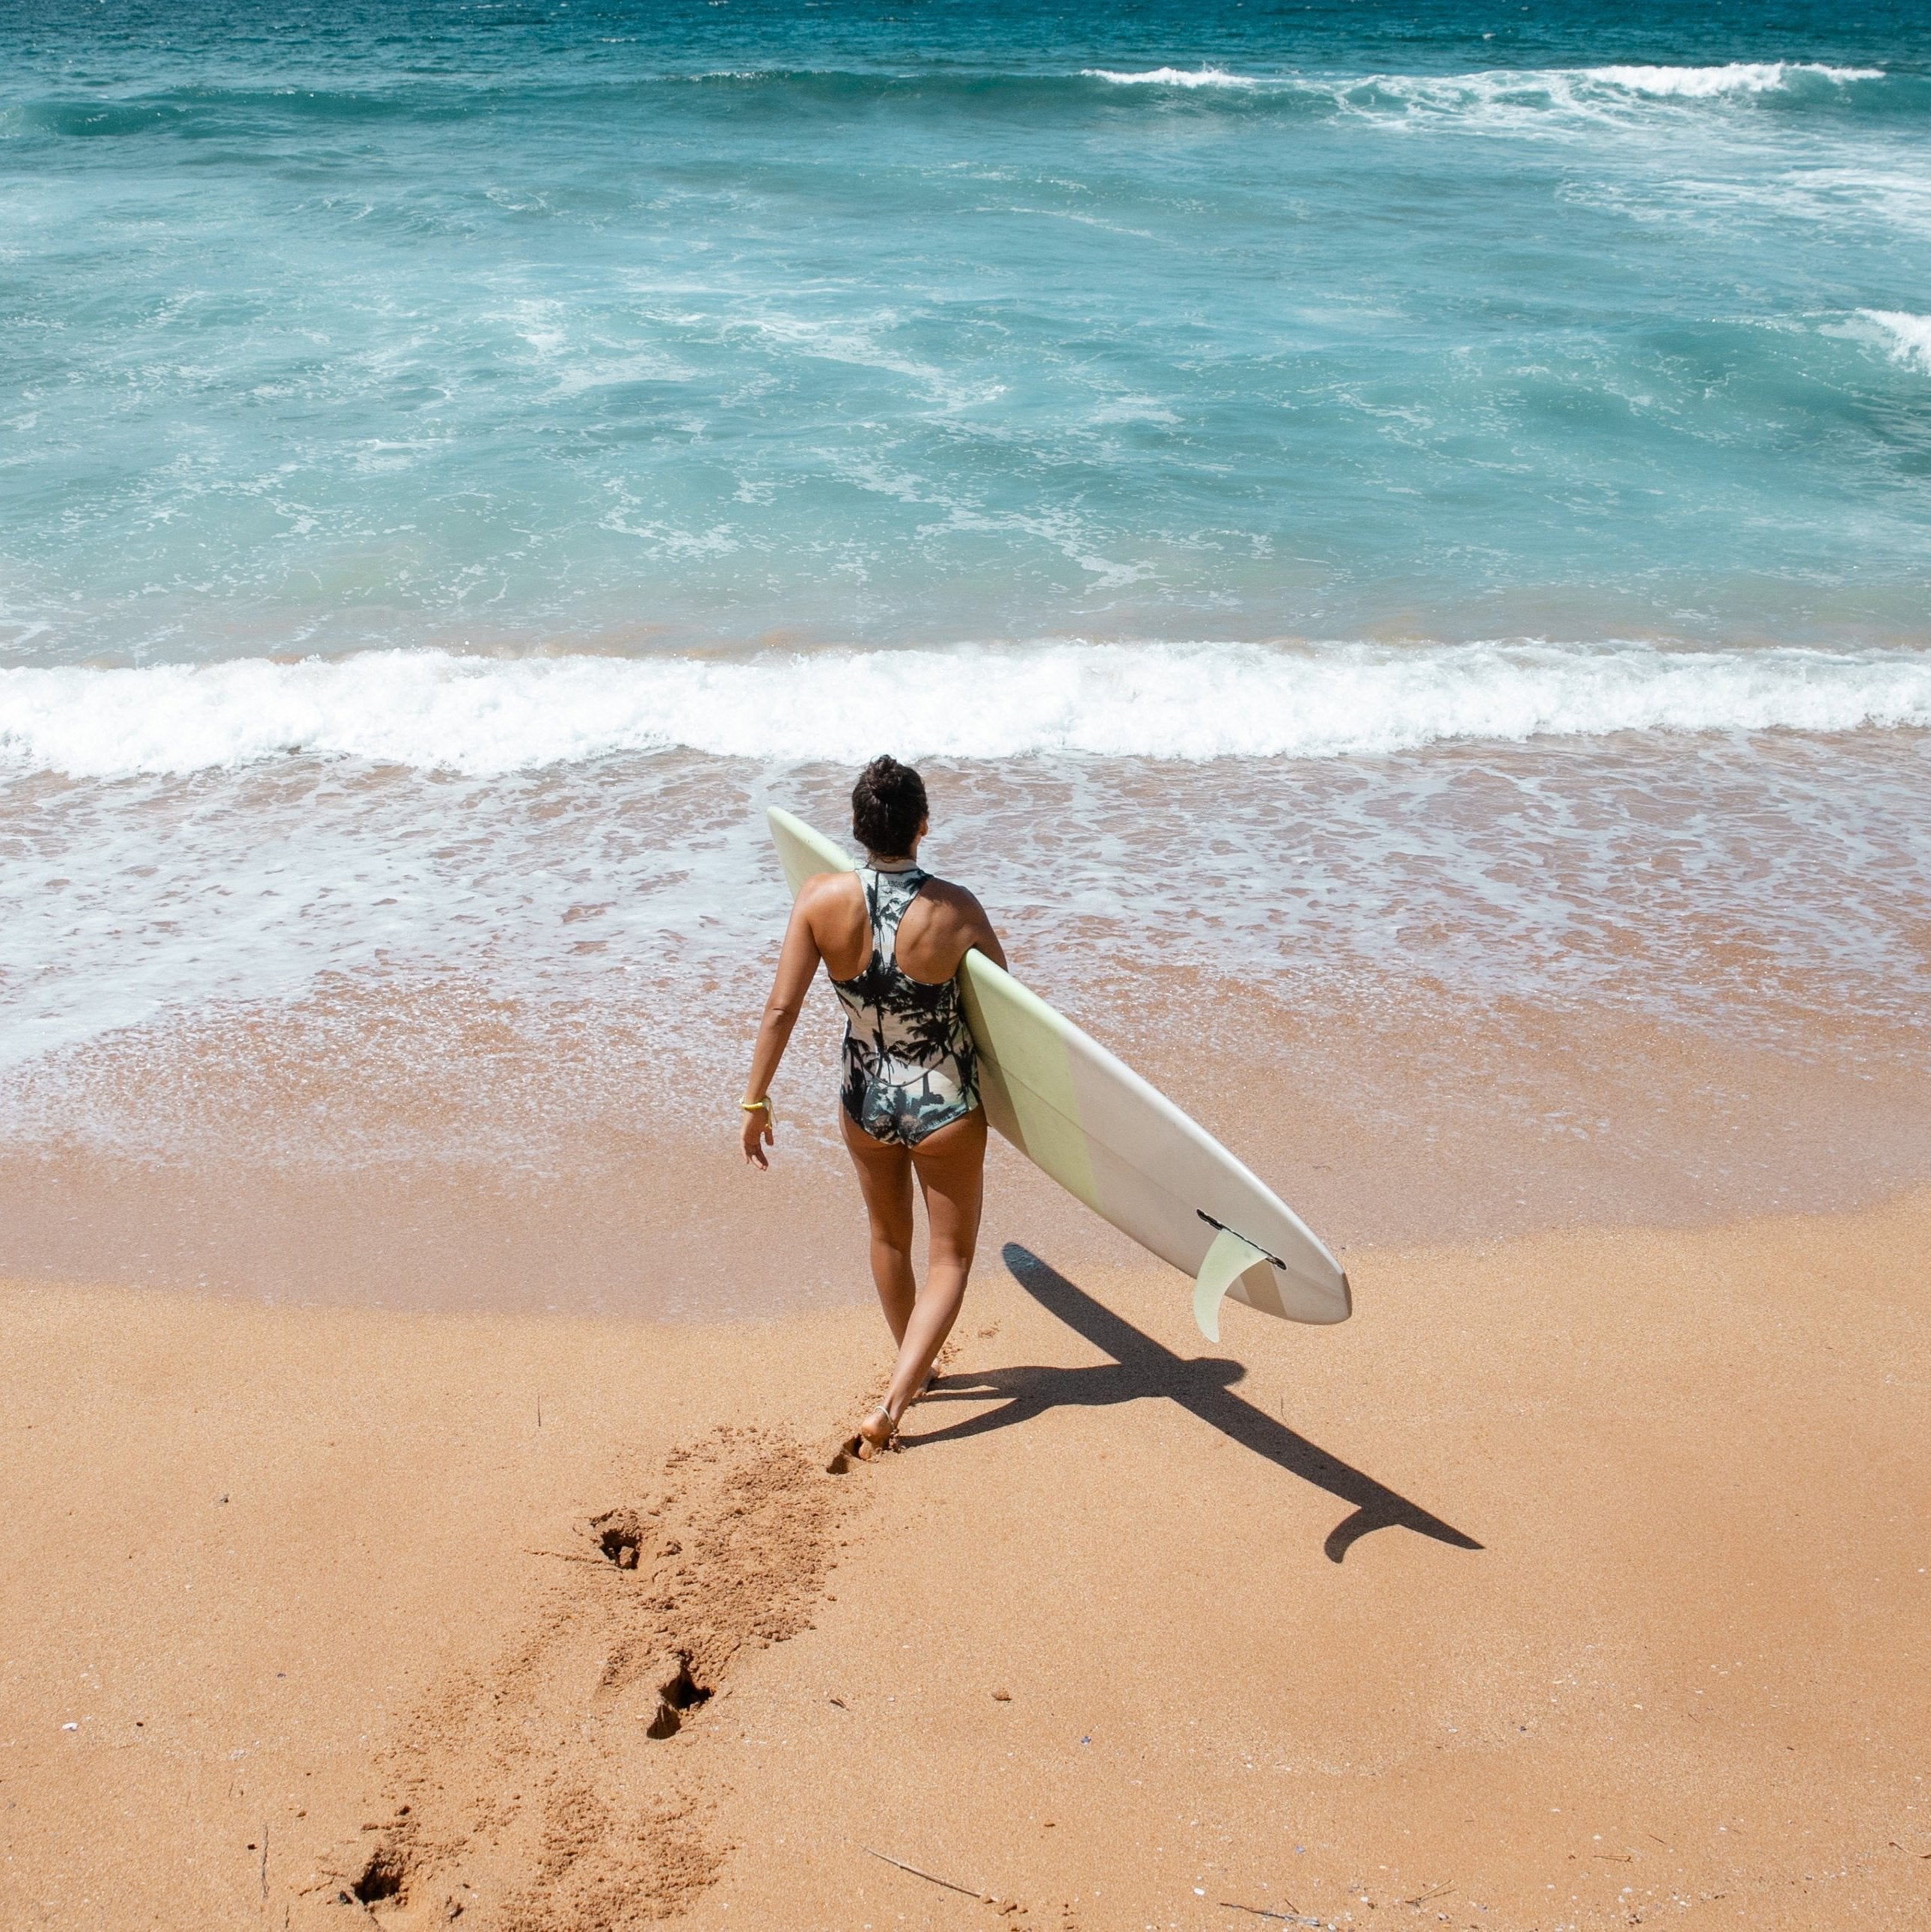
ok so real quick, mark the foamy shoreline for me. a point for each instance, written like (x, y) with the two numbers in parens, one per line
(449, 1150)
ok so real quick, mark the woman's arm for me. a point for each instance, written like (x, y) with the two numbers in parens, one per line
(974, 928)
(985, 939)
(797, 961)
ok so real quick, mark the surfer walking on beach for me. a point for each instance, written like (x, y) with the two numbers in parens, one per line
(892, 939)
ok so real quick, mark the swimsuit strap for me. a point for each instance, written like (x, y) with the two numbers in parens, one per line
(886, 896)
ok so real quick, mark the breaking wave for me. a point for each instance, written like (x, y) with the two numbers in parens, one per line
(1592, 93)
(435, 710)
(1178, 76)
(1560, 86)
(1907, 338)
(1703, 83)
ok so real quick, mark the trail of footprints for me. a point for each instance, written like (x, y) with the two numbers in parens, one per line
(541, 1795)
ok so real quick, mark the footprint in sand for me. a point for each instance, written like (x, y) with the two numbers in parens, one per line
(537, 1793)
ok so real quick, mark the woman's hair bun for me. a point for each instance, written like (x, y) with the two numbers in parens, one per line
(887, 807)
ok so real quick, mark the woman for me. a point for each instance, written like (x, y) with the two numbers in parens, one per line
(892, 939)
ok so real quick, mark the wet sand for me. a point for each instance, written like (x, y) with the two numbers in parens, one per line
(1579, 1581)
(450, 1154)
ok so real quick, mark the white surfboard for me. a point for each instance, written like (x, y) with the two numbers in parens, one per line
(1118, 1144)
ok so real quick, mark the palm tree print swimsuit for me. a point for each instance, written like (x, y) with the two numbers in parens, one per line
(909, 1067)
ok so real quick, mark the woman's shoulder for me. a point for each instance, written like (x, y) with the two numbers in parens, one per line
(949, 893)
(834, 896)
(955, 909)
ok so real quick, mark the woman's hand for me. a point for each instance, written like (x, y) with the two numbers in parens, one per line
(796, 963)
(757, 1136)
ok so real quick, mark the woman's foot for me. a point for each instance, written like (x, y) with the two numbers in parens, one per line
(875, 1434)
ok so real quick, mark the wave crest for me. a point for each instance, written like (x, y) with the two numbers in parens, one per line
(1695, 83)
(1176, 76)
(1907, 337)
(432, 710)
(1705, 83)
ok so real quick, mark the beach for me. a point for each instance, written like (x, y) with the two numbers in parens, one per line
(1575, 1582)
(1395, 539)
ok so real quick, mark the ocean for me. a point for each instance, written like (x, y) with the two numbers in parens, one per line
(1381, 524)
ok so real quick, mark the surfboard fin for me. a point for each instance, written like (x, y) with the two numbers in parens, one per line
(1227, 1261)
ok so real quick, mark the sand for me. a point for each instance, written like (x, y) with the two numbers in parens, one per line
(1580, 1580)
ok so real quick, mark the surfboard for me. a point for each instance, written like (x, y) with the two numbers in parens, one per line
(1114, 1141)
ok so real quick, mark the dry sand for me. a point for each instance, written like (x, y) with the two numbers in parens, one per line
(1579, 1581)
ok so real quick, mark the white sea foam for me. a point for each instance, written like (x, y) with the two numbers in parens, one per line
(1545, 101)
(1838, 200)
(1562, 86)
(1528, 103)
(1175, 77)
(430, 709)
(1908, 337)
(1703, 83)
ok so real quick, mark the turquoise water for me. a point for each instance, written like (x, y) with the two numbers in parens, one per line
(643, 327)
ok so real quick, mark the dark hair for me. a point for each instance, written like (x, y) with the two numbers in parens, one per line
(887, 807)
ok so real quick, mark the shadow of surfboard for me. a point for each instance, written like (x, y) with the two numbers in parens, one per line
(1141, 1367)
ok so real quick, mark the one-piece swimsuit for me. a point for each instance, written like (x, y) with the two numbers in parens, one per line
(909, 1065)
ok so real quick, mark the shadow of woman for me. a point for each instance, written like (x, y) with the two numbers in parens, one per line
(1141, 1367)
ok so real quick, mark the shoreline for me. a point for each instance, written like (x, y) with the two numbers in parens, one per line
(303, 1153)
(1606, 1532)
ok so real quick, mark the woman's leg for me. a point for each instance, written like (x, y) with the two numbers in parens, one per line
(951, 1167)
(885, 1178)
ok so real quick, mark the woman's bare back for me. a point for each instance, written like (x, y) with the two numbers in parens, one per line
(940, 927)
